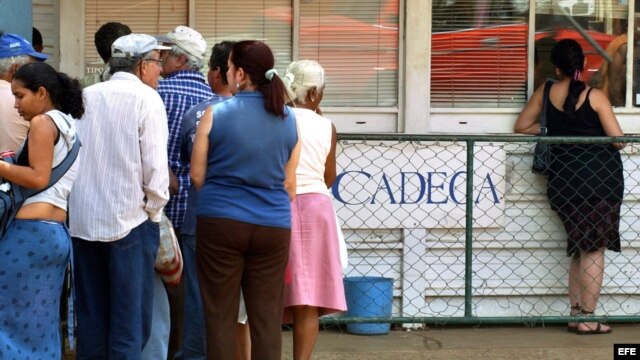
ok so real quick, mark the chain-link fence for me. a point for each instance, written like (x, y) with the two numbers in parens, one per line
(494, 249)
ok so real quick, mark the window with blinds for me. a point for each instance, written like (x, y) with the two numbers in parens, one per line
(267, 21)
(356, 41)
(479, 53)
(146, 17)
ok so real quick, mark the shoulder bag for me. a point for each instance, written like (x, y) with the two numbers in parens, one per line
(541, 155)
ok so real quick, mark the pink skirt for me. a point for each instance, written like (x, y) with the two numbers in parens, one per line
(314, 272)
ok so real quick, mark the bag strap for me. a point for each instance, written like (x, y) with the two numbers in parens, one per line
(57, 172)
(543, 115)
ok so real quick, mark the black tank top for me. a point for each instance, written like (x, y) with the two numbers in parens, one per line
(585, 122)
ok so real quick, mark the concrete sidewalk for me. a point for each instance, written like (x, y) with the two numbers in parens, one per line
(478, 343)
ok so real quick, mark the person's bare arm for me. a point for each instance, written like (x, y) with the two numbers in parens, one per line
(330, 163)
(527, 122)
(601, 105)
(41, 141)
(174, 185)
(291, 166)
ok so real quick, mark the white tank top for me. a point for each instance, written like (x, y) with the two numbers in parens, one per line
(315, 134)
(58, 193)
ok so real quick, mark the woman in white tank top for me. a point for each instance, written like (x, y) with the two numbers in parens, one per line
(313, 286)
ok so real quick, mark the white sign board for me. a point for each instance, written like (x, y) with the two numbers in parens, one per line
(411, 185)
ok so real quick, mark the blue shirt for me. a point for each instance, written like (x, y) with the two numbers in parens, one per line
(189, 126)
(179, 92)
(248, 150)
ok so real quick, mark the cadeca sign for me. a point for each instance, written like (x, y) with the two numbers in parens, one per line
(409, 185)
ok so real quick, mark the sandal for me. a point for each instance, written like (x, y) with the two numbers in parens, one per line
(572, 326)
(591, 331)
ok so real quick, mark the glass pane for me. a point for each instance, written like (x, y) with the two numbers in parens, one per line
(479, 53)
(636, 55)
(356, 41)
(267, 21)
(600, 27)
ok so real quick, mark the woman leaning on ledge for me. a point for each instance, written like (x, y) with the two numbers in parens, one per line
(585, 185)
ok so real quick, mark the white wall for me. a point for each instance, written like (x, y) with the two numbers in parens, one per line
(72, 37)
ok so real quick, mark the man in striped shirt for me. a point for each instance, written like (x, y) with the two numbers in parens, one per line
(183, 86)
(117, 201)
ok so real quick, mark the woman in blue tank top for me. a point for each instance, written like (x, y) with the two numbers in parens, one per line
(243, 165)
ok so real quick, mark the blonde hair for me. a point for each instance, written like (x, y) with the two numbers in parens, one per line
(301, 76)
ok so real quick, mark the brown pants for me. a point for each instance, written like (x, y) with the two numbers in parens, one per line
(233, 254)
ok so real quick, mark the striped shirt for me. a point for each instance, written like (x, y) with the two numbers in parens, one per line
(123, 178)
(180, 91)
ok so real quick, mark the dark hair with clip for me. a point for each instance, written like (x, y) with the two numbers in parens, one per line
(568, 57)
(255, 58)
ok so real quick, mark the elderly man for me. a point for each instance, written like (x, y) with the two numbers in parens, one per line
(117, 202)
(15, 51)
(182, 87)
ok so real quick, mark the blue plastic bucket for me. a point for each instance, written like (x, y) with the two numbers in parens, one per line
(368, 296)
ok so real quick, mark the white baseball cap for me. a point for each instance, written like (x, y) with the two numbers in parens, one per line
(134, 45)
(188, 40)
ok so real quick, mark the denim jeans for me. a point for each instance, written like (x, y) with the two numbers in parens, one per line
(193, 342)
(114, 293)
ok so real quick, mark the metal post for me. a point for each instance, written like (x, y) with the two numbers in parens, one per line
(468, 249)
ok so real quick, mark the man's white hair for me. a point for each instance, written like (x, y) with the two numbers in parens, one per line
(194, 62)
(6, 63)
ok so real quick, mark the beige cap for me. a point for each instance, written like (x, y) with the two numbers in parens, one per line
(188, 40)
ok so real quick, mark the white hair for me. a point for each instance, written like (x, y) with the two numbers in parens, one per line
(6, 63)
(301, 76)
(193, 62)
